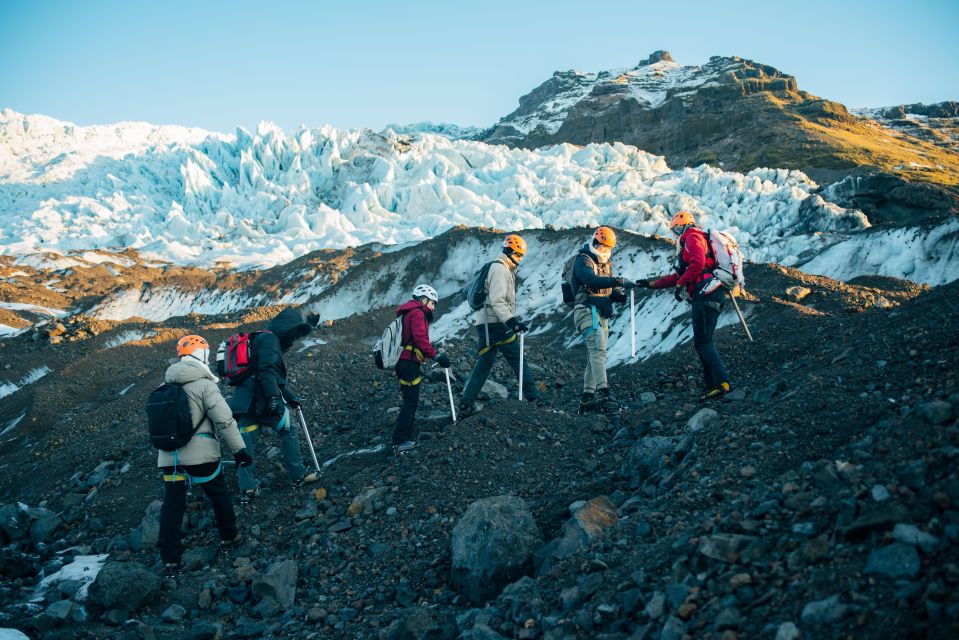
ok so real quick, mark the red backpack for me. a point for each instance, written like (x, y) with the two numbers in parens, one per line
(235, 357)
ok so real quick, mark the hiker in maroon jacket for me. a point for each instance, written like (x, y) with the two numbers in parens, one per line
(417, 349)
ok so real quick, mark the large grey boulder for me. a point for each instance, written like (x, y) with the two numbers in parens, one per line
(147, 534)
(124, 585)
(647, 458)
(492, 545)
(589, 522)
(279, 583)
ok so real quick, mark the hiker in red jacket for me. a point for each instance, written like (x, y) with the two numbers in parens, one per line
(695, 267)
(417, 349)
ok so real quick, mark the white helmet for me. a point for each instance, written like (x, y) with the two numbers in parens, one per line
(425, 291)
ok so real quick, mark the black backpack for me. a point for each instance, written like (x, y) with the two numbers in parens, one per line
(168, 417)
(568, 284)
(476, 289)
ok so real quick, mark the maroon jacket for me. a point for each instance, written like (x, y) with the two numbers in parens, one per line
(696, 263)
(416, 331)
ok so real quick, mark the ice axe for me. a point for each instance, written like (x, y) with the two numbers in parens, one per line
(449, 390)
(632, 320)
(522, 335)
(309, 440)
(740, 314)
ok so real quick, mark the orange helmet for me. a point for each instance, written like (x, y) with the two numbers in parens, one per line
(189, 344)
(605, 236)
(681, 219)
(514, 244)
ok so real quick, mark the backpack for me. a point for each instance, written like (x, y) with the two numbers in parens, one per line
(476, 289)
(729, 259)
(168, 417)
(235, 357)
(569, 287)
(388, 348)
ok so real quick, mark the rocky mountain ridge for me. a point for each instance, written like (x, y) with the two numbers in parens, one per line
(734, 113)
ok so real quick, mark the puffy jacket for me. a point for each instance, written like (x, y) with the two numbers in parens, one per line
(695, 263)
(416, 331)
(594, 284)
(500, 293)
(209, 409)
(269, 379)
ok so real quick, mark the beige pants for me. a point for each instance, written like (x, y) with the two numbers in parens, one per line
(595, 331)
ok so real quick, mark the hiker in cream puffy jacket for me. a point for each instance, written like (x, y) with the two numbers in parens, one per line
(497, 326)
(198, 461)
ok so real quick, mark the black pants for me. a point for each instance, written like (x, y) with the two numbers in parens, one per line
(706, 311)
(408, 372)
(174, 506)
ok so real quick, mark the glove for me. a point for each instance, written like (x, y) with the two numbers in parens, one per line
(618, 295)
(293, 401)
(646, 284)
(274, 406)
(242, 458)
(313, 319)
(516, 326)
(627, 284)
(443, 360)
(680, 294)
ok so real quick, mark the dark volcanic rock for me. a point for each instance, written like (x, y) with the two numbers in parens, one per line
(124, 585)
(492, 545)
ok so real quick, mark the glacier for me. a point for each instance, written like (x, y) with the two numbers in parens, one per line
(262, 199)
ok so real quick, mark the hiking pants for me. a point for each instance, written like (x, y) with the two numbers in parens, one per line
(174, 506)
(706, 311)
(289, 447)
(595, 331)
(408, 373)
(499, 339)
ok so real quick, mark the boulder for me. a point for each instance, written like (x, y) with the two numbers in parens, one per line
(646, 458)
(589, 522)
(147, 533)
(14, 522)
(494, 389)
(912, 535)
(279, 583)
(701, 419)
(492, 545)
(124, 585)
(882, 517)
(896, 560)
(935, 412)
(725, 547)
(45, 522)
(826, 611)
(797, 294)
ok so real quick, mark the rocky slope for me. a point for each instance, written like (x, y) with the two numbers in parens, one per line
(936, 123)
(819, 499)
(733, 112)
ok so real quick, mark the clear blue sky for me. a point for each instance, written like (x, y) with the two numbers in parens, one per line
(218, 64)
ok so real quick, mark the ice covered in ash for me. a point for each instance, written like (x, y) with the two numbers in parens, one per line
(264, 198)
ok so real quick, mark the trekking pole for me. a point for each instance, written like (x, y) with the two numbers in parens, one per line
(309, 440)
(449, 389)
(632, 319)
(740, 314)
(521, 345)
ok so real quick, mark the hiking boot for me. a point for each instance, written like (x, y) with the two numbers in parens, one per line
(467, 410)
(587, 403)
(716, 392)
(235, 541)
(403, 447)
(309, 478)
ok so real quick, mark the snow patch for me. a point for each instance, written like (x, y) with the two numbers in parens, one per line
(83, 568)
(7, 388)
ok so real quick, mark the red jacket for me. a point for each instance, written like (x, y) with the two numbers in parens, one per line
(416, 331)
(696, 263)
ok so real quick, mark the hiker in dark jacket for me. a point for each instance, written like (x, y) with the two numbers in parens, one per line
(497, 326)
(264, 399)
(595, 290)
(695, 267)
(198, 462)
(417, 349)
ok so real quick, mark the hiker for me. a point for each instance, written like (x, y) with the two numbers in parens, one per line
(497, 326)
(264, 399)
(198, 462)
(595, 290)
(693, 271)
(417, 315)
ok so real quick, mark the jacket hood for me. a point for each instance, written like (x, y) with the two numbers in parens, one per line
(410, 305)
(288, 326)
(187, 370)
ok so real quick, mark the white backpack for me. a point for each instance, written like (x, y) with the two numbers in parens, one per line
(388, 348)
(729, 259)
